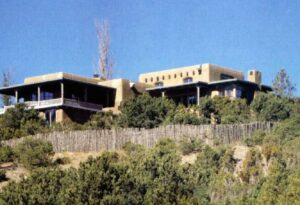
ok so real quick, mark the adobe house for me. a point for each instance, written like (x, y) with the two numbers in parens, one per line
(62, 96)
(187, 84)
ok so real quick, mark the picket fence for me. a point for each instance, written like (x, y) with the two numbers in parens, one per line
(96, 140)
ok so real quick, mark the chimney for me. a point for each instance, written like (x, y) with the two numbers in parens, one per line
(254, 76)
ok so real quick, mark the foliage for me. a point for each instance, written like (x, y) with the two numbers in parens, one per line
(251, 168)
(101, 120)
(190, 146)
(158, 176)
(66, 125)
(231, 111)
(145, 112)
(2, 175)
(256, 139)
(282, 85)
(20, 121)
(187, 115)
(5, 82)
(6, 154)
(34, 153)
(268, 107)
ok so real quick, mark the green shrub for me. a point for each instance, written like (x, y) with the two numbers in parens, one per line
(132, 148)
(101, 120)
(2, 175)
(190, 146)
(6, 154)
(256, 139)
(34, 153)
(20, 121)
(62, 161)
(145, 111)
(251, 167)
(268, 107)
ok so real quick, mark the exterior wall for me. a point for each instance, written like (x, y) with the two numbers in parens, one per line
(216, 71)
(204, 73)
(123, 90)
(60, 115)
(214, 93)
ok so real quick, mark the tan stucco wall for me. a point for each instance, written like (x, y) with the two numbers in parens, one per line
(123, 90)
(204, 73)
(216, 71)
(60, 115)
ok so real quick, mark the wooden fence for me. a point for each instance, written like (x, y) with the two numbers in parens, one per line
(95, 140)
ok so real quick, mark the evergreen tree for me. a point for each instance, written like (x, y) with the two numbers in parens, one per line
(282, 85)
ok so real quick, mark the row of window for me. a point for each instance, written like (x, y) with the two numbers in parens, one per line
(185, 80)
(175, 76)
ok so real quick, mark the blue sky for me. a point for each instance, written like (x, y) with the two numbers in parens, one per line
(38, 37)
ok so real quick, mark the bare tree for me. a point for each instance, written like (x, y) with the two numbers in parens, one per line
(105, 65)
(6, 81)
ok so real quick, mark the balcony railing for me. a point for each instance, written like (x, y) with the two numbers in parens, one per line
(59, 102)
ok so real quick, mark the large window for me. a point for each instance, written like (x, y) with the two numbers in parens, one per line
(188, 80)
(225, 76)
(47, 95)
(239, 92)
(191, 100)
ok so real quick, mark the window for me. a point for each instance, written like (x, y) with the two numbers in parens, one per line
(180, 74)
(193, 72)
(33, 97)
(157, 78)
(200, 71)
(188, 80)
(251, 72)
(228, 93)
(47, 95)
(175, 75)
(169, 76)
(146, 80)
(191, 100)
(225, 76)
(163, 77)
(151, 79)
(159, 84)
(239, 93)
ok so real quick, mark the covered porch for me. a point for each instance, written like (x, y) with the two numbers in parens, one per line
(61, 93)
(186, 94)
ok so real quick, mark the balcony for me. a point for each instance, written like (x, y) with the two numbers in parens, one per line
(59, 102)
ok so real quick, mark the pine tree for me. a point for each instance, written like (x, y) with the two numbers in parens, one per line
(282, 85)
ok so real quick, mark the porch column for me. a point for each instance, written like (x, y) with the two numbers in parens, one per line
(85, 94)
(163, 94)
(234, 95)
(39, 94)
(107, 98)
(198, 95)
(50, 118)
(16, 96)
(62, 91)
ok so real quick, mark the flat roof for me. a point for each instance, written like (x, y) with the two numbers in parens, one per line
(211, 83)
(190, 67)
(6, 90)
